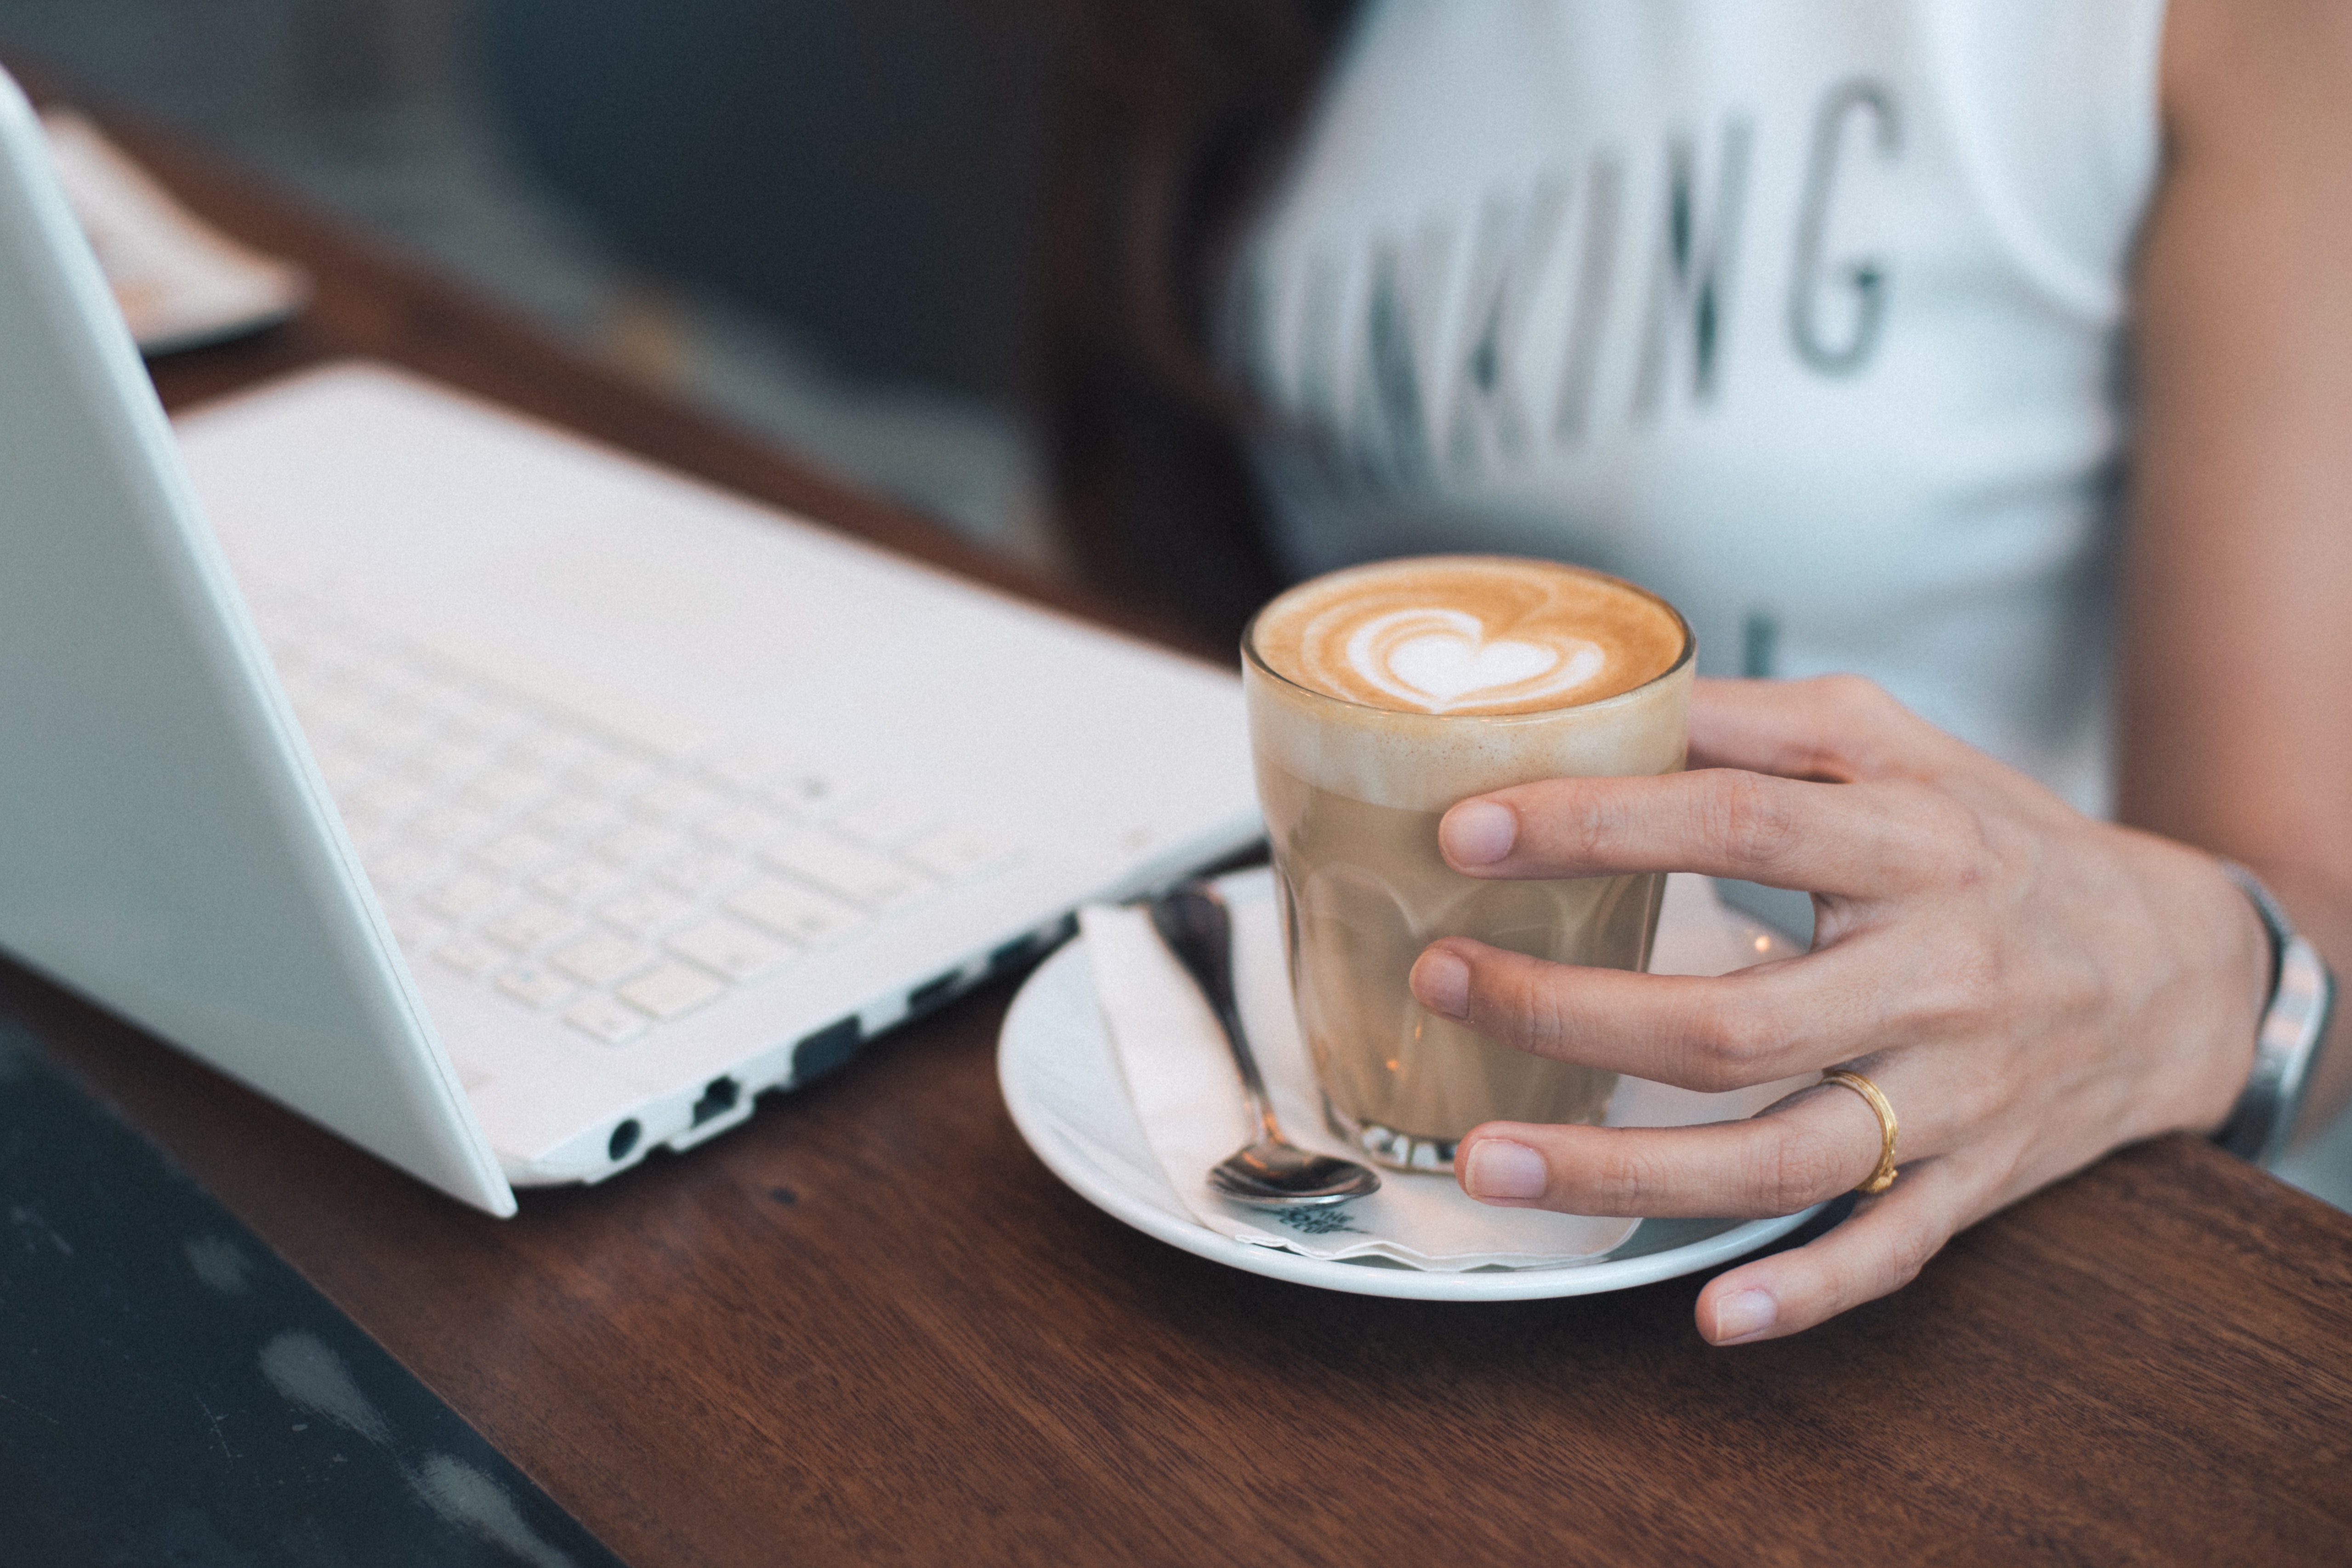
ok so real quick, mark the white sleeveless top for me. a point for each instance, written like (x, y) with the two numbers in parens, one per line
(1803, 313)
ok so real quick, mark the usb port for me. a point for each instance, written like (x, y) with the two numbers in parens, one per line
(931, 993)
(1021, 949)
(825, 1050)
(718, 1099)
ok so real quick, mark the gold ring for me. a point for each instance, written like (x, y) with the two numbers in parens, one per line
(1883, 1177)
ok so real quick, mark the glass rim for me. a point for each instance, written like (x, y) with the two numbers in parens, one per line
(1690, 651)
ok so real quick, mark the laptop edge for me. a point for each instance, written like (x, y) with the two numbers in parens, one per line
(215, 901)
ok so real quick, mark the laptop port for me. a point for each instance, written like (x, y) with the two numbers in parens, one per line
(1036, 945)
(931, 993)
(625, 1139)
(819, 1053)
(718, 1099)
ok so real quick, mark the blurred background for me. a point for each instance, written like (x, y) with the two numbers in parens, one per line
(813, 219)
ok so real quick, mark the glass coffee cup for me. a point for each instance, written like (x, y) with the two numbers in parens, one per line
(1378, 696)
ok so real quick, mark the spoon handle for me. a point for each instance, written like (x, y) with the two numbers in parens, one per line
(1191, 919)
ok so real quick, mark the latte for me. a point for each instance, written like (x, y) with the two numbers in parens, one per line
(1469, 634)
(1378, 696)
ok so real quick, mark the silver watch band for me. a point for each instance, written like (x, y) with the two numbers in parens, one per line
(2286, 1041)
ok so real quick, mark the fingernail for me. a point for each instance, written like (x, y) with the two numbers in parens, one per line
(1477, 833)
(1499, 1168)
(1743, 1315)
(1442, 984)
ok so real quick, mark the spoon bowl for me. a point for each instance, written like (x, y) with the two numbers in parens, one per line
(1282, 1176)
(1272, 1172)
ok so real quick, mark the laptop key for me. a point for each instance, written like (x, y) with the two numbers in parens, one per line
(544, 753)
(608, 772)
(885, 820)
(535, 985)
(395, 866)
(607, 1020)
(325, 709)
(578, 881)
(572, 816)
(504, 789)
(698, 875)
(955, 853)
(807, 792)
(614, 713)
(731, 948)
(644, 911)
(841, 868)
(741, 767)
(808, 918)
(671, 991)
(411, 930)
(529, 927)
(465, 896)
(635, 843)
(741, 827)
(675, 800)
(469, 955)
(392, 740)
(519, 853)
(445, 761)
(389, 798)
(452, 827)
(601, 959)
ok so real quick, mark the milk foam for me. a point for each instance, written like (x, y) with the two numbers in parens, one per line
(1416, 683)
(1468, 633)
(1439, 660)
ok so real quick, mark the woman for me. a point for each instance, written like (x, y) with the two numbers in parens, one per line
(1802, 313)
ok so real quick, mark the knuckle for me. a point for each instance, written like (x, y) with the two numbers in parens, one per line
(1856, 696)
(1752, 823)
(1907, 1252)
(1971, 996)
(1712, 1074)
(1622, 1179)
(1591, 832)
(1948, 839)
(1798, 1169)
(1858, 720)
(1709, 1077)
(1735, 1041)
(1535, 1014)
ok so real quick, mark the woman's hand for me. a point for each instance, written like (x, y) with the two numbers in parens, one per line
(2029, 987)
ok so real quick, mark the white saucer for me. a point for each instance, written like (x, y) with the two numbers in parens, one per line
(1061, 1080)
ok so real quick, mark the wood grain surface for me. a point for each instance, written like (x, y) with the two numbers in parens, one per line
(869, 1327)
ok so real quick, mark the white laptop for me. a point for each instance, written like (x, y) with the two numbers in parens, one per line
(504, 804)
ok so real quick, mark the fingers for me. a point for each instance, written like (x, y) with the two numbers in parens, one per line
(1836, 727)
(1713, 1033)
(1811, 1147)
(1859, 842)
(1872, 1254)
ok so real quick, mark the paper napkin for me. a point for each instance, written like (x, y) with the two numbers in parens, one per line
(1188, 1096)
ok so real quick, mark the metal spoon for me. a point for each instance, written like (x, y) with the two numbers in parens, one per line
(1271, 1172)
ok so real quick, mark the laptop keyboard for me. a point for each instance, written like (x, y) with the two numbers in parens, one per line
(583, 856)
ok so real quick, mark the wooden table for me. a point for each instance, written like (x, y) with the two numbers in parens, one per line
(869, 1327)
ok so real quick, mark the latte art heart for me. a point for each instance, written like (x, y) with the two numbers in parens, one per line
(1468, 637)
(1435, 658)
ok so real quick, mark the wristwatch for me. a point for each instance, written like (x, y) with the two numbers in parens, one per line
(2287, 1042)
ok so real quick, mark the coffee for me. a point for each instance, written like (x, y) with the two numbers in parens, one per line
(1381, 695)
(1469, 634)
